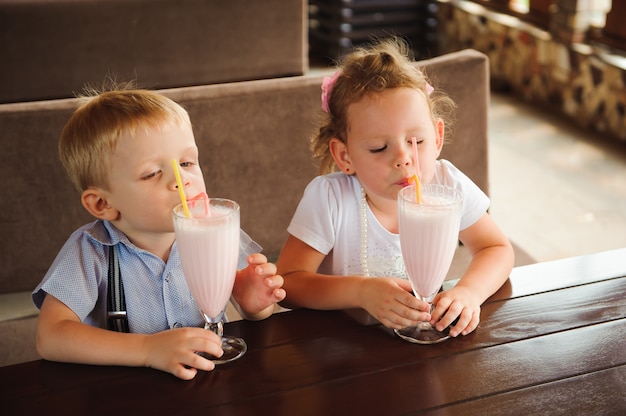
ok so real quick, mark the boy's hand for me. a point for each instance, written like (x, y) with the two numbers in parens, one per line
(258, 288)
(175, 351)
(390, 301)
(456, 302)
(61, 336)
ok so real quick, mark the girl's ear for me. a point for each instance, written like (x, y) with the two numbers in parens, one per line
(339, 151)
(95, 202)
(439, 132)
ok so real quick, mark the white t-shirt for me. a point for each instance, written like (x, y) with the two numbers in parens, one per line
(328, 219)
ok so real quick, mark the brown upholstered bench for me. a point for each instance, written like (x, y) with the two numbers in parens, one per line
(253, 140)
(51, 48)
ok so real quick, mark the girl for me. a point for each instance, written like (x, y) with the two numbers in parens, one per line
(343, 250)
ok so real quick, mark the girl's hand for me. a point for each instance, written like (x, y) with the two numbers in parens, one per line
(174, 351)
(390, 301)
(456, 302)
(258, 288)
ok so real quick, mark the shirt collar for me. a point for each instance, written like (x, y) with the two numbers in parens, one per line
(106, 233)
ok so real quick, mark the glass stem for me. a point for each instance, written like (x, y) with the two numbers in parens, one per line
(429, 300)
(215, 325)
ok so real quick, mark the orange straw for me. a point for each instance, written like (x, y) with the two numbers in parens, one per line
(418, 188)
(415, 178)
(181, 191)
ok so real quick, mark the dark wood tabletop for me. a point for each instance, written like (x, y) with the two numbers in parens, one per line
(552, 340)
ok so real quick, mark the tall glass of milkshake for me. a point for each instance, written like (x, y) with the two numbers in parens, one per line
(429, 235)
(208, 245)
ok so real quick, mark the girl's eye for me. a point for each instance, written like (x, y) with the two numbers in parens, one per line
(418, 141)
(378, 150)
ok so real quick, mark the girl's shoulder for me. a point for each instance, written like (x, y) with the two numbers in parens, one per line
(446, 173)
(337, 183)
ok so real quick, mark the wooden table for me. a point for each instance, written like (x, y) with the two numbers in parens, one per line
(552, 340)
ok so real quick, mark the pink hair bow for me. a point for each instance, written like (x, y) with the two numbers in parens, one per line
(327, 86)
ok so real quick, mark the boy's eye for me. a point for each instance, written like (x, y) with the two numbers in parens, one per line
(378, 150)
(151, 175)
(186, 164)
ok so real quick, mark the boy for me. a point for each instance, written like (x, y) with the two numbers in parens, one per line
(117, 149)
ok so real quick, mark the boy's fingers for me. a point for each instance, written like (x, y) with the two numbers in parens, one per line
(256, 258)
(279, 294)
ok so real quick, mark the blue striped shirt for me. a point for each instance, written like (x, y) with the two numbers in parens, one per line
(156, 293)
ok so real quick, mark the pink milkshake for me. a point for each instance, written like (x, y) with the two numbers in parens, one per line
(208, 245)
(429, 234)
(209, 250)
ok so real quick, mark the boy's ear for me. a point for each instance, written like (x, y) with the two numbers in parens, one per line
(95, 202)
(339, 151)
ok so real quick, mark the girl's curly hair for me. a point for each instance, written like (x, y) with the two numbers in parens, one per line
(371, 69)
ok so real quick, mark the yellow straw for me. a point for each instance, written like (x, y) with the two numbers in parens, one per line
(181, 191)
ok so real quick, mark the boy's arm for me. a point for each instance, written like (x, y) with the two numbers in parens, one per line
(265, 313)
(257, 288)
(62, 337)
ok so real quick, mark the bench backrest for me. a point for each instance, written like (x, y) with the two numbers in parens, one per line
(253, 141)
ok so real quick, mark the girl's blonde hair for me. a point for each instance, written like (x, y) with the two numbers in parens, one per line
(90, 136)
(385, 64)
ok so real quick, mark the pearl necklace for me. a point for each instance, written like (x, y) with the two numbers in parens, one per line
(364, 265)
(396, 267)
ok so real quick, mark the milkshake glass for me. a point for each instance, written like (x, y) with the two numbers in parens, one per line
(208, 246)
(429, 235)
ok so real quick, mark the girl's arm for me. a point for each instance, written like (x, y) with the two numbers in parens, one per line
(492, 258)
(387, 299)
(298, 263)
(492, 262)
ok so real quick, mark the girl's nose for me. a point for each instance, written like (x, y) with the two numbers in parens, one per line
(403, 158)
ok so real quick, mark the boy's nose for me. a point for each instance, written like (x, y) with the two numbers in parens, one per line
(174, 183)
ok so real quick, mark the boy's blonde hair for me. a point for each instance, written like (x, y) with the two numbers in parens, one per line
(385, 64)
(90, 136)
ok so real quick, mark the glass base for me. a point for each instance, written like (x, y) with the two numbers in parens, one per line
(422, 333)
(233, 348)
